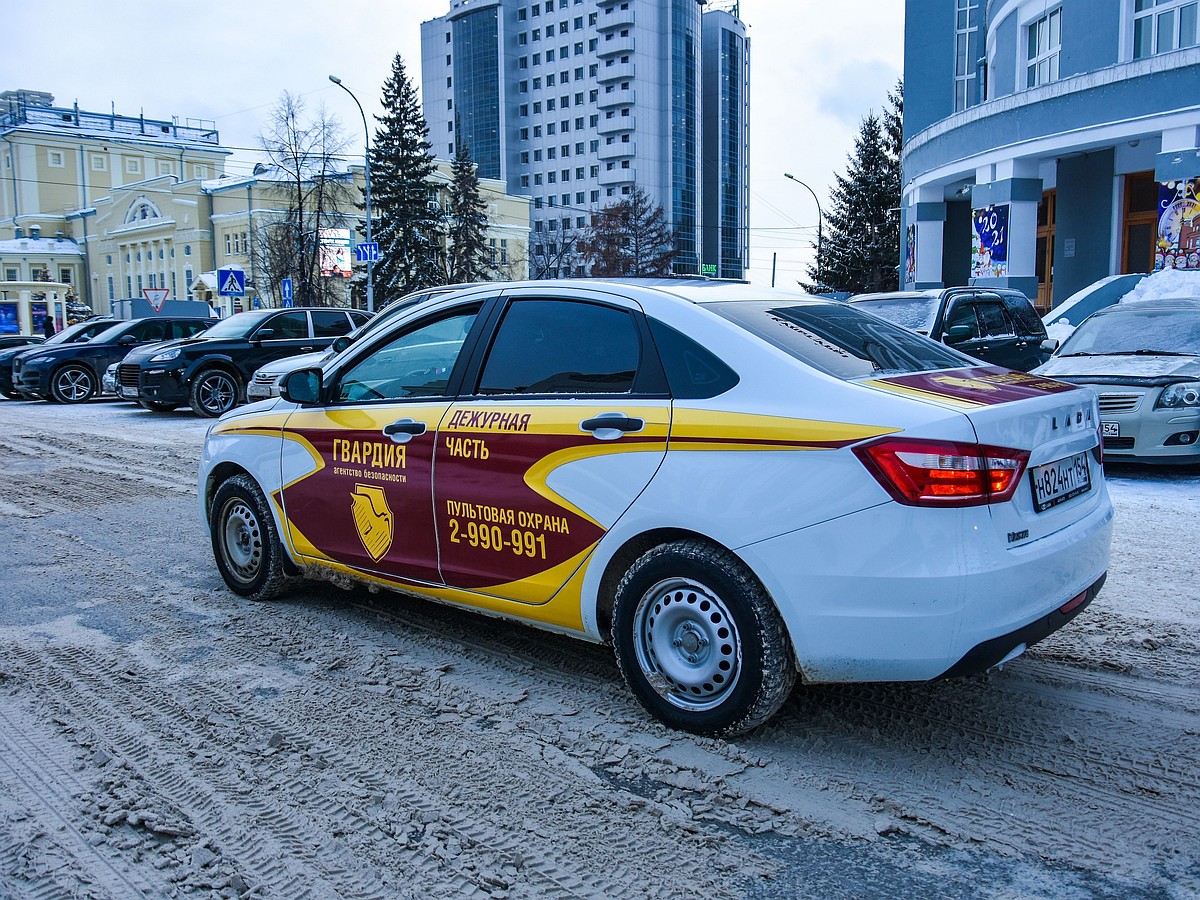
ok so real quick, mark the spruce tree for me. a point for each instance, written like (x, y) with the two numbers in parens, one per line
(407, 227)
(468, 253)
(861, 247)
(630, 238)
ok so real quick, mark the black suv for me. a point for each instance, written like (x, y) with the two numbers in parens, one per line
(80, 331)
(71, 372)
(997, 326)
(210, 372)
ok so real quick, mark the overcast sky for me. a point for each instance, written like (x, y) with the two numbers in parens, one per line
(816, 69)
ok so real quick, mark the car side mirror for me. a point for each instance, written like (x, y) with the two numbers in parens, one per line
(302, 387)
(126, 340)
(1049, 346)
(342, 343)
(264, 334)
(956, 334)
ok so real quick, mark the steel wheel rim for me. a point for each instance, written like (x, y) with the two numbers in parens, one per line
(73, 385)
(687, 644)
(241, 541)
(217, 393)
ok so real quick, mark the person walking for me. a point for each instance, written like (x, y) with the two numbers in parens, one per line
(48, 325)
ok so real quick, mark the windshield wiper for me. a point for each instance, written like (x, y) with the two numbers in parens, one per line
(1144, 353)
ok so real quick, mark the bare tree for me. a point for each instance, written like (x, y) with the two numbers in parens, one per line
(314, 191)
(629, 238)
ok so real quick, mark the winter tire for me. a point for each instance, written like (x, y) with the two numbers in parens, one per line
(157, 406)
(245, 540)
(699, 640)
(73, 384)
(214, 392)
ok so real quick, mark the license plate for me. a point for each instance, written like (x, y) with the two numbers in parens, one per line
(1110, 429)
(1059, 481)
(127, 393)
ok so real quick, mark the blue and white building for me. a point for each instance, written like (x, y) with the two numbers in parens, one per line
(1049, 143)
(573, 103)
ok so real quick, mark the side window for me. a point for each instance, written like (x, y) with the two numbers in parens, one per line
(287, 326)
(962, 314)
(358, 319)
(993, 321)
(187, 329)
(562, 347)
(1021, 311)
(416, 363)
(329, 323)
(692, 371)
(152, 331)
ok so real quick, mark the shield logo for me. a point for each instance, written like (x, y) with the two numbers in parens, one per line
(373, 519)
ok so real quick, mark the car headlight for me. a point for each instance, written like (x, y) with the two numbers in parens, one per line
(1184, 395)
(165, 355)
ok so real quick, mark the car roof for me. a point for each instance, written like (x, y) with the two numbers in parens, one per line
(693, 289)
(896, 295)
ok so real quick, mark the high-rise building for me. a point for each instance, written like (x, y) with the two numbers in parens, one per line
(574, 103)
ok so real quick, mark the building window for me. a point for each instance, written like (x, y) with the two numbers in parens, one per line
(64, 275)
(99, 163)
(55, 158)
(1044, 40)
(133, 166)
(11, 274)
(112, 289)
(1163, 26)
(966, 53)
(199, 172)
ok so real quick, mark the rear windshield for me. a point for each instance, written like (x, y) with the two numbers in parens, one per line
(1136, 331)
(839, 340)
(915, 313)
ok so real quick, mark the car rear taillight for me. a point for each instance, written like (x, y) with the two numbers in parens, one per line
(943, 473)
(1098, 450)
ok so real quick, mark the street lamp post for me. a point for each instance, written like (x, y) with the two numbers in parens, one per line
(820, 217)
(367, 160)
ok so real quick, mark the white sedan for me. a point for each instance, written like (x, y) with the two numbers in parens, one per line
(736, 487)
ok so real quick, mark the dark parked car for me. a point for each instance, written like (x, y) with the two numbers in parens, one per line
(997, 326)
(71, 373)
(80, 331)
(19, 340)
(210, 372)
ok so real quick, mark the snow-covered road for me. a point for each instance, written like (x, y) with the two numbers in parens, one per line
(160, 737)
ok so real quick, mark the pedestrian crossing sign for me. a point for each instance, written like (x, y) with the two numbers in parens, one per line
(231, 283)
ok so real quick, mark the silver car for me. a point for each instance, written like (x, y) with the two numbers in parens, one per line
(266, 381)
(1143, 360)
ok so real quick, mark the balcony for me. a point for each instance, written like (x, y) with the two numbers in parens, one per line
(616, 99)
(618, 176)
(615, 17)
(617, 124)
(617, 150)
(615, 45)
(616, 72)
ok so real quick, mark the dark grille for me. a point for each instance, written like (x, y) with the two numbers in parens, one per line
(1118, 443)
(127, 375)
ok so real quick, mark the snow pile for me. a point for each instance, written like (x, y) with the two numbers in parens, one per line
(1060, 330)
(1165, 284)
(1065, 307)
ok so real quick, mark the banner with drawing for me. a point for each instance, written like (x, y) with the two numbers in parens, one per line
(1178, 241)
(989, 242)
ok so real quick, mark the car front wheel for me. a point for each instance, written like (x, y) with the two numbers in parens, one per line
(245, 540)
(73, 384)
(214, 393)
(699, 640)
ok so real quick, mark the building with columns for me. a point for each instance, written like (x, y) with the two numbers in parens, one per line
(1049, 143)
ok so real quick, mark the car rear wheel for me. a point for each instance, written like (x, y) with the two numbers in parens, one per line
(699, 640)
(245, 540)
(73, 384)
(214, 393)
(157, 406)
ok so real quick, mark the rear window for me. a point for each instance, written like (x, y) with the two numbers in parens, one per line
(841, 341)
(914, 313)
(1024, 315)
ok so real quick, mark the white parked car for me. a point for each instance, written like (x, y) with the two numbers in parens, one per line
(736, 487)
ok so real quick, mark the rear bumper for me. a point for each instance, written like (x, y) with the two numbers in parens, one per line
(984, 656)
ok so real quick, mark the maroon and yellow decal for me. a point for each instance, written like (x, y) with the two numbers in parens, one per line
(971, 388)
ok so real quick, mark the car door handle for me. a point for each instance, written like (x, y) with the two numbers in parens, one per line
(307, 349)
(611, 422)
(404, 430)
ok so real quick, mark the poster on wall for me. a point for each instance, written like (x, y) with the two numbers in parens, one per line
(910, 255)
(335, 252)
(9, 323)
(989, 242)
(1178, 243)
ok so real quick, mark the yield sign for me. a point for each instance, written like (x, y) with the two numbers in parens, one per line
(156, 296)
